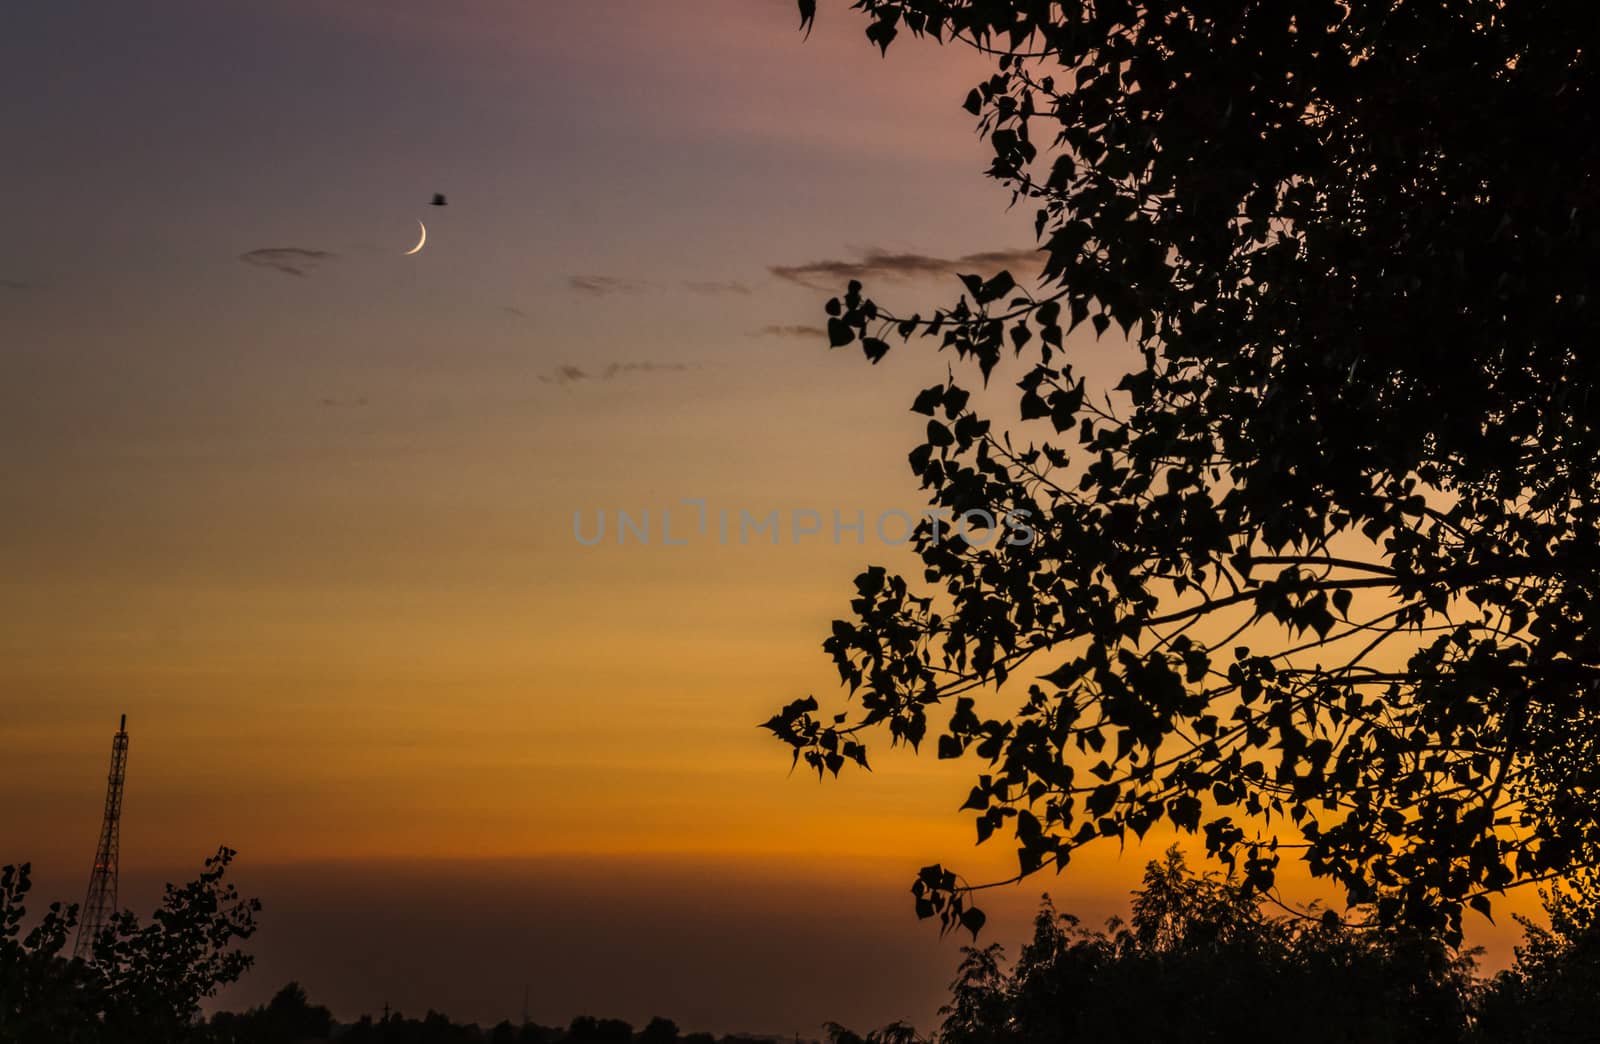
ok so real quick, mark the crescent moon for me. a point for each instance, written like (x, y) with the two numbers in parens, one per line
(421, 241)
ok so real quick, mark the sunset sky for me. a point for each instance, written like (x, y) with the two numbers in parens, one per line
(302, 506)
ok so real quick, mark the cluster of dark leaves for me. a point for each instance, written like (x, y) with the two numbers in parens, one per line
(143, 982)
(1201, 960)
(1321, 573)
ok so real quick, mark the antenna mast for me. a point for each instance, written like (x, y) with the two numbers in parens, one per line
(100, 905)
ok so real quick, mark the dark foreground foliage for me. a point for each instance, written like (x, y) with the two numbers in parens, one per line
(1315, 565)
(1201, 961)
(144, 982)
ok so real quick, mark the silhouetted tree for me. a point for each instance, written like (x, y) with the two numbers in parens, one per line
(144, 982)
(1321, 571)
(288, 1018)
(587, 1028)
(1553, 991)
(893, 1033)
(976, 1013)
(1201, 961)
(42, 995)
(141, 983)
(659, 1031)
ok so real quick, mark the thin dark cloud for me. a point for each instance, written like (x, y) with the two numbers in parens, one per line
(883, 264)
(565, 375)
(713, 286)
(620, 369)
(509, 310)
(14, 284)
(790, 330)
(295, 261)
(601, 285)
(334, 402)
(610, 372)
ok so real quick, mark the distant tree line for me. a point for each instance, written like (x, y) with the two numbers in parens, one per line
(1202, 958)
(144, 983)
(290, 1018)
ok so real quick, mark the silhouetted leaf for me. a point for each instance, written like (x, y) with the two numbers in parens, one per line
(839, 333)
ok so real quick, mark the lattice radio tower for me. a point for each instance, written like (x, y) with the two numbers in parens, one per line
(100, 905)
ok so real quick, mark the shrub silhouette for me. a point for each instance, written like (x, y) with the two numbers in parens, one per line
(144, 982)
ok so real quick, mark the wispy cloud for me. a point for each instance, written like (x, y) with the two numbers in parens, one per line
(334, 402)
(713, 286)
(576, 374)
(295, 261)
(14, 284)
(883, 264)
(789, 330)
(565, 375)
(601, 285)
(510, 310)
